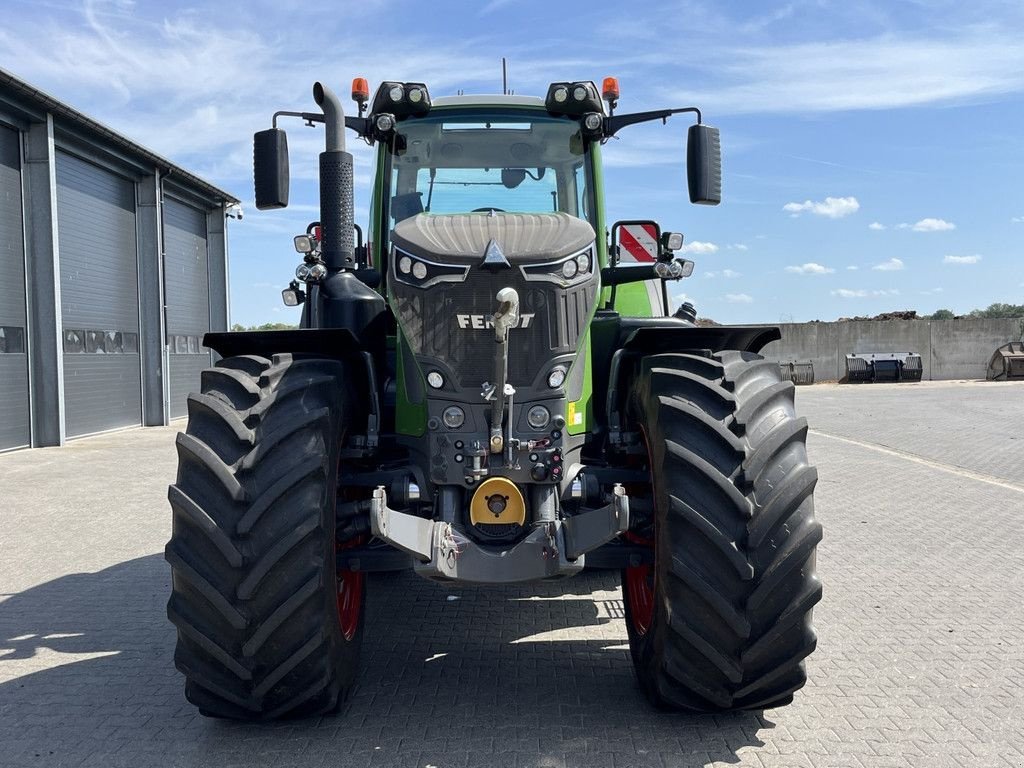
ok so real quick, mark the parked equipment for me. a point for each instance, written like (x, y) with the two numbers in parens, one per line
(797, 371)
(1007, 362)
(883, 367)
(488, 391)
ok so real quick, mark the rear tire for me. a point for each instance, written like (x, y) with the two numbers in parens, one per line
(255, 593)
(722, 620)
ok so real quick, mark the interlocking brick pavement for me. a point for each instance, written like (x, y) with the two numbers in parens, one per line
(920, 659)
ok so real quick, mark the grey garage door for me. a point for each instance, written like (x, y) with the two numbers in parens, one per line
(99, 297)
(187, 292)
(14, 409)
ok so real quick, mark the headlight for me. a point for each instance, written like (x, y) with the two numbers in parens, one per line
(561, 94)
(569, 269)
(538, 417)
(385, 122)
(435, 379)
(583, 262)
(556, 378)
(396, 93)
(453, 417)
(415, 95)
(579, 93)
(419, 270)
(405, 265)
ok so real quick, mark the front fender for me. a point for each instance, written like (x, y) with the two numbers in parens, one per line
(339, 343)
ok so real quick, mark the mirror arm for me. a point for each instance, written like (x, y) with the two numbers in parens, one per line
(612, 276)
(361, 125)
(615, 123)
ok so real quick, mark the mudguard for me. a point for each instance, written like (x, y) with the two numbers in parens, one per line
(338, 343)
(657, 335)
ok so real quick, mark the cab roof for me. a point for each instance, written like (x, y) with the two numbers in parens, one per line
(488, 100)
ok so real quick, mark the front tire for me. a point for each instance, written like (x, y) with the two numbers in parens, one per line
(265, 628)
(722, 619)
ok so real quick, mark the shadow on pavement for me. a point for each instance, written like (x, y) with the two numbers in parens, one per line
(535, 675)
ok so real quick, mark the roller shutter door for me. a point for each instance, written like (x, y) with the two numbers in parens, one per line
(14, 402)
(187, 292)
(99, 297)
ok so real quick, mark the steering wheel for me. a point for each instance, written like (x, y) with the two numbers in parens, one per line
(488, 208)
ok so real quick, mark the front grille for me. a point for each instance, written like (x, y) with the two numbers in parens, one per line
(430, 320)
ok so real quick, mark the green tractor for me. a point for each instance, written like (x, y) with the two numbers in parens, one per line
(489, 388)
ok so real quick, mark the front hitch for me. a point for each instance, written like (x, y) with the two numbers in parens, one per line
(504, 320)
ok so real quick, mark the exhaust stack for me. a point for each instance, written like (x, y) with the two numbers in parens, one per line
(337, 215)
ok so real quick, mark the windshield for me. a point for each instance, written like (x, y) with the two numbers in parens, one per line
(518, 163)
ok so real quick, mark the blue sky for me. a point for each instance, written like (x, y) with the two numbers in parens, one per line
(873, 151)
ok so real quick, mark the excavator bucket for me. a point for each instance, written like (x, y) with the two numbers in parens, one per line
(1007, 363)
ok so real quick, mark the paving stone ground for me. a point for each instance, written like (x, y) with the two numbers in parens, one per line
(920, 659)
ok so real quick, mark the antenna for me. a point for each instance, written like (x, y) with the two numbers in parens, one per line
(504, 77)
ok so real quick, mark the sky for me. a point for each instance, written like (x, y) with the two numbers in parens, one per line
(872, 151)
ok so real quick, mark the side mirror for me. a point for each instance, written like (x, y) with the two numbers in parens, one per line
(704, 165)
(270, 168)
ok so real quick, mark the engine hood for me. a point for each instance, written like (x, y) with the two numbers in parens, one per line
(464, 237)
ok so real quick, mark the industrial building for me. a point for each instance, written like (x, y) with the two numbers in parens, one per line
(113, 264)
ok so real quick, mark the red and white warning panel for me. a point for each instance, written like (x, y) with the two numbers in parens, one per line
(638, 243)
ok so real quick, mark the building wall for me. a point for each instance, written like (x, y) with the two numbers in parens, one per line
(86, 285)
(14, 402)
(949, 349)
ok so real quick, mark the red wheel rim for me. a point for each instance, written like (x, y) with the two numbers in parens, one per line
(640, 592)
(640, 579)
(350, 595)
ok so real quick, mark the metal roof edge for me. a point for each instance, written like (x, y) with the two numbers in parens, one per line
(58, 108)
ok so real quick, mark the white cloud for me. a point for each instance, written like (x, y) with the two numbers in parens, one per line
(830, 207)
(929, 225)
(1018, 219)
(810, 268)
(710, 274)
(860, 293)
(931, 291)
(852, 268)
(883, 72)
(973, 259)
(699, 247)
(739, 298)
(492, 6)
(892, 265)
(731, 273)
(876, 226)
(740, 247)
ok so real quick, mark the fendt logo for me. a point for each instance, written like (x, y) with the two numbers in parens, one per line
(480, 322)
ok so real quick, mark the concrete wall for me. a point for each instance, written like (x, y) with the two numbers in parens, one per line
(950, 349)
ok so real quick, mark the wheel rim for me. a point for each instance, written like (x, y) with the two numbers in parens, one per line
(350, 595)
(640, 579)
(640, 594)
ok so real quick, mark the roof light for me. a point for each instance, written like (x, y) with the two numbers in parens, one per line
(360, 90)
(401, 99)
(573, 98)
(610, 89)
